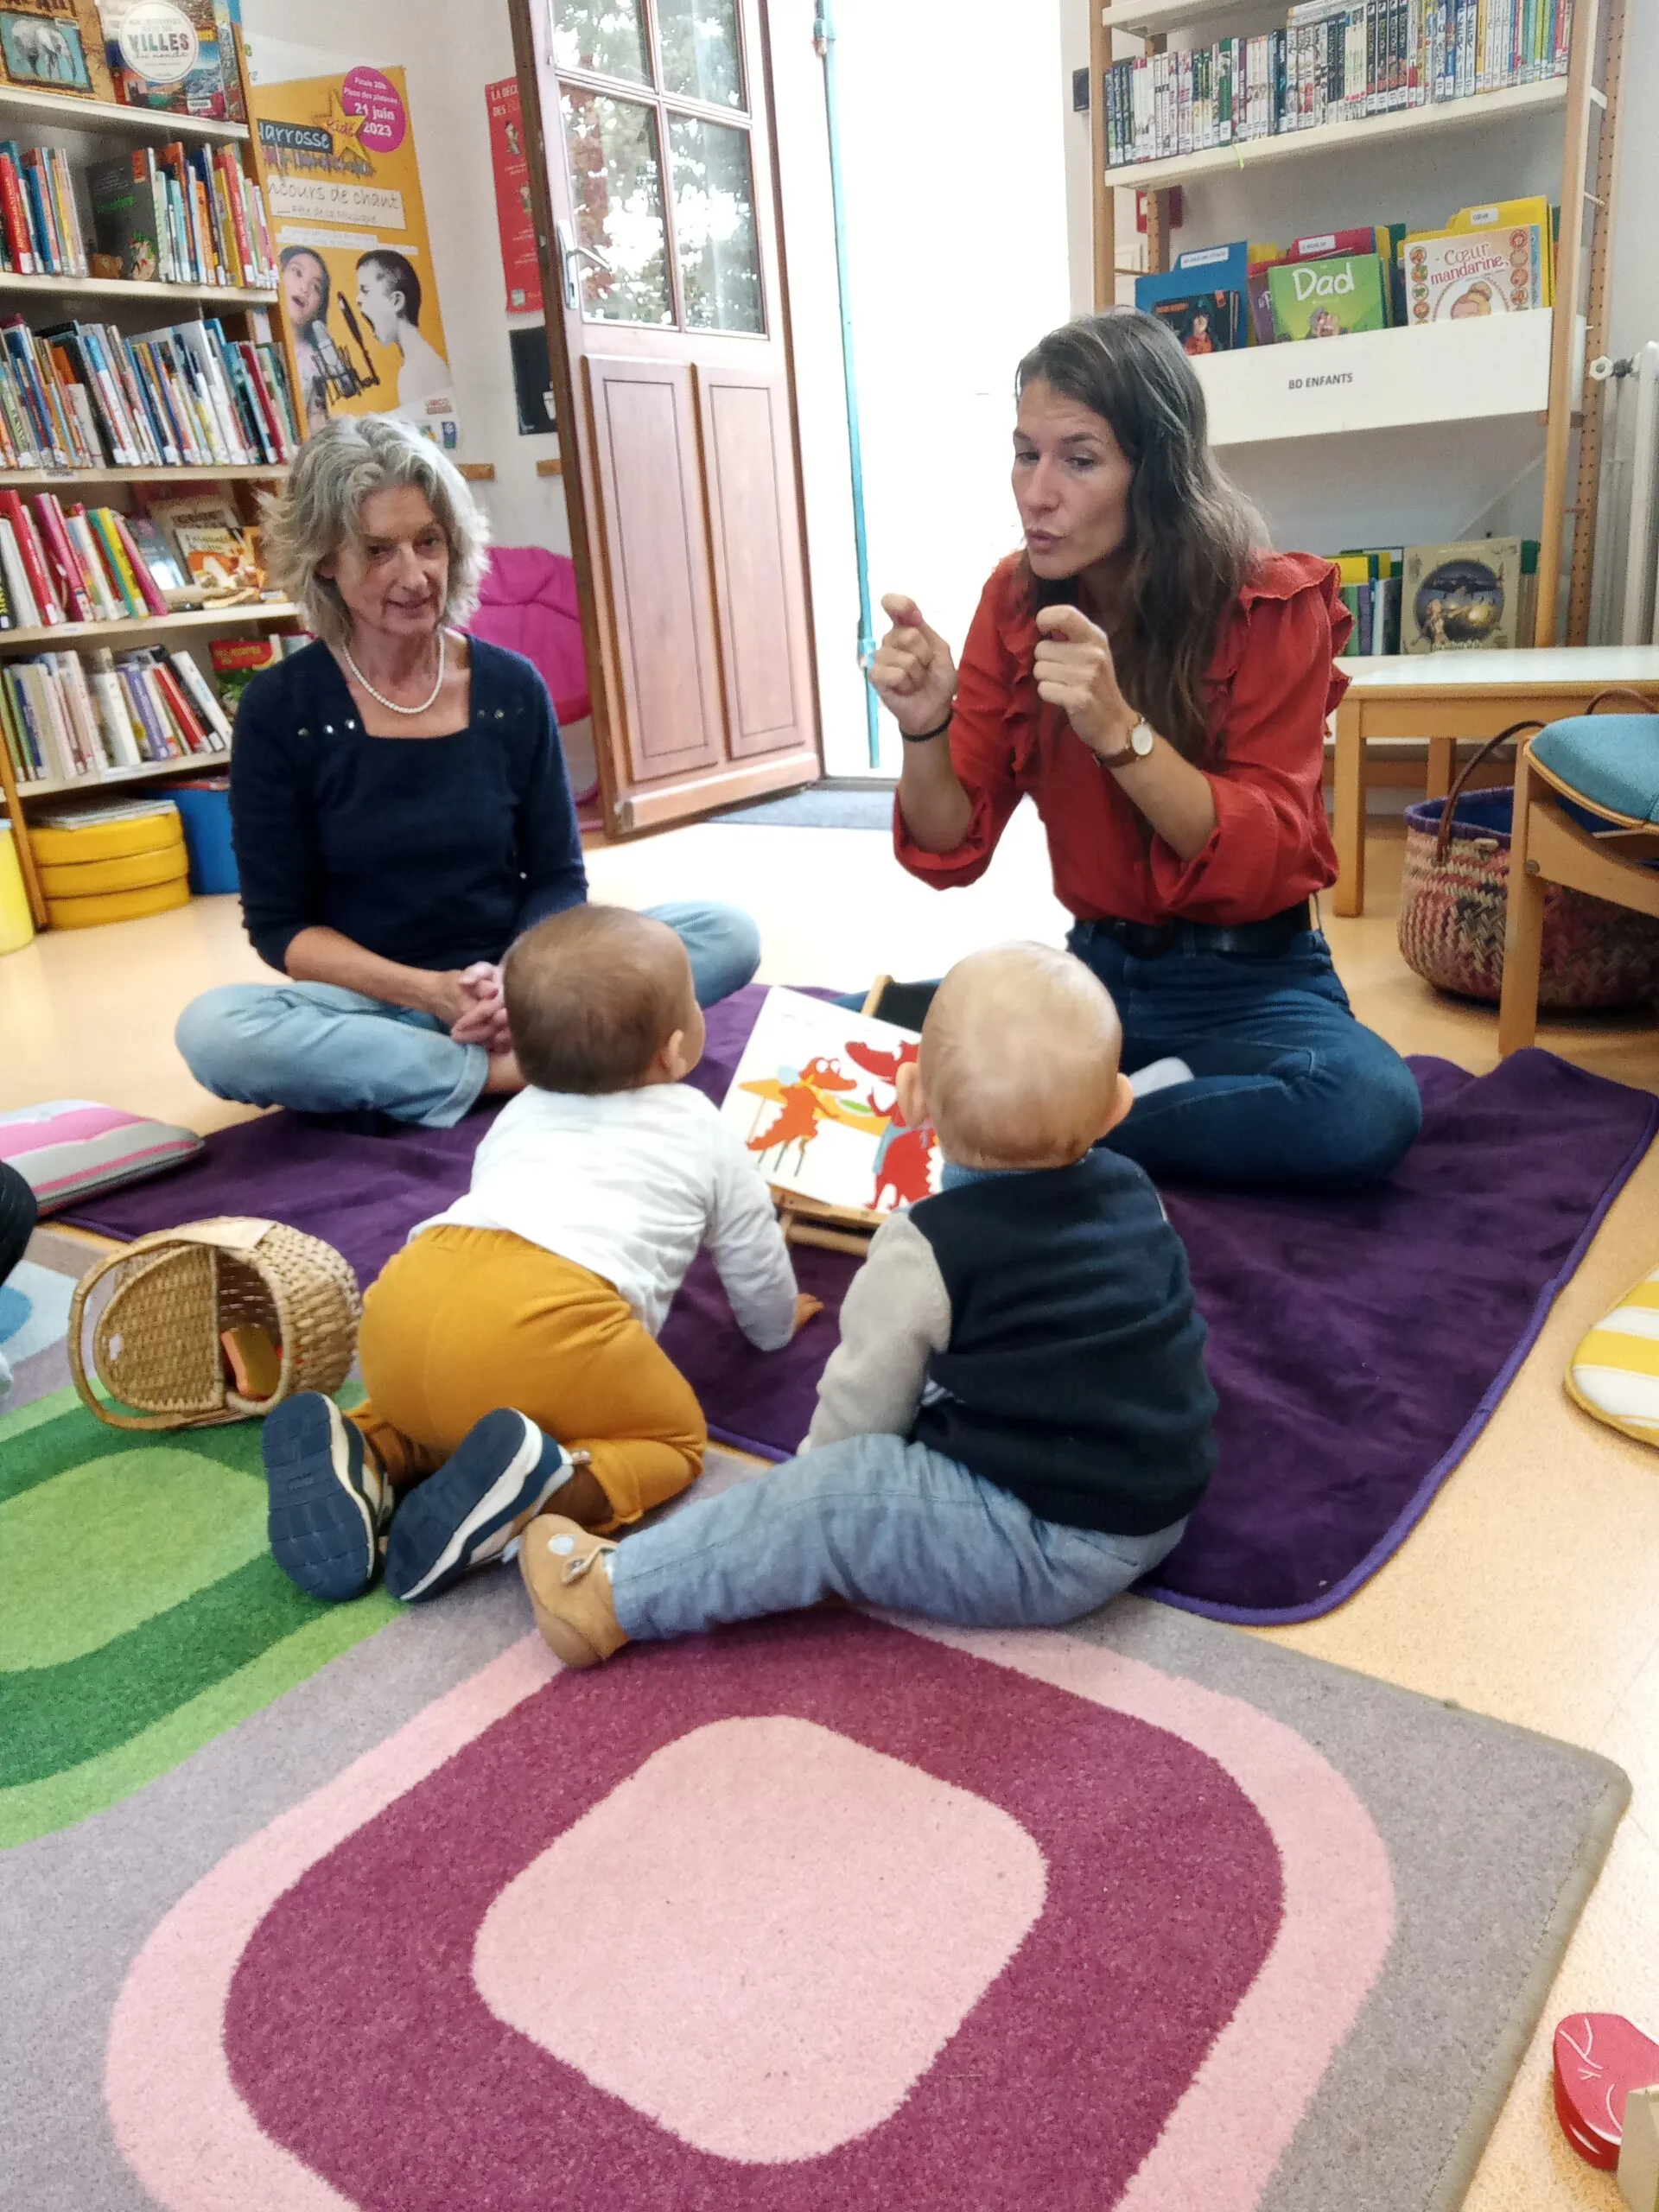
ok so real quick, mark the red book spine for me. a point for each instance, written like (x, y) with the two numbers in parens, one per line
(183, 713)
(263, 397)
(231, 169)
(12, 215)
(33, 556)
(49, 518)
(146, 584)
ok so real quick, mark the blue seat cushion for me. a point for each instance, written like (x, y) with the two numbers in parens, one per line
(1610, 761)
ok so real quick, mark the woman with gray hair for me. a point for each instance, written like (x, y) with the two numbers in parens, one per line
(400, 809)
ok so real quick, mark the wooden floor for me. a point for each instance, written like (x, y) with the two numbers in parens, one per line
(1531, 1589)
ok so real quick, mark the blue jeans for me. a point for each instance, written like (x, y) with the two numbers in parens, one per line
(310, 1046)
(1289, 1092)
(881, 1522)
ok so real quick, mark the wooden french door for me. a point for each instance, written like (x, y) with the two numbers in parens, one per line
(650, 157)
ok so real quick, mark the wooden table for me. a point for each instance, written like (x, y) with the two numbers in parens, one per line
(1445, 697)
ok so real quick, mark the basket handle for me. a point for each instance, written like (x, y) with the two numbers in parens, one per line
(1623, 691)
(1463, 774)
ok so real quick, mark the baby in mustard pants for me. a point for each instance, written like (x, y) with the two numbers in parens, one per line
(509, 1349)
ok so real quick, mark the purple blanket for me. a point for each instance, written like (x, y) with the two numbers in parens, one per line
(1357, 1345)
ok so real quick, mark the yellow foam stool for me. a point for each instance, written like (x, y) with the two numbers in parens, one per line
(135, 871)
(16, 923)
(1614, 1374)
(118, 906)
(157, 831)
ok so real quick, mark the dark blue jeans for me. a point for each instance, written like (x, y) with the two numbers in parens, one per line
(1289, 1092)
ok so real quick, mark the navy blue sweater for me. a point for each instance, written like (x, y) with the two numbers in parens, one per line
(1074, 1377)
(431, 851)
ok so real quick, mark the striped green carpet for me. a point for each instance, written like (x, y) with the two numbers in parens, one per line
(140, 1613)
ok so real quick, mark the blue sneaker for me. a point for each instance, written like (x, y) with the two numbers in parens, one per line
(328, 1500)
(496, 1480)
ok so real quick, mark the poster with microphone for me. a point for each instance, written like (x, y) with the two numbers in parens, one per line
(357, 290)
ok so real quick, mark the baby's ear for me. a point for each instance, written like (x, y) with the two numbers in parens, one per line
(912, 1098)
(1124, 1100)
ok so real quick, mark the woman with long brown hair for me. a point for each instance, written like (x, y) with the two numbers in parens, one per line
(1159, 685)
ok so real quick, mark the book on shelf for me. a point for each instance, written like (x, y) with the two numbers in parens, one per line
(41, 232)
(1331, 298)
(218, 551)
(142, 58)
(71, 564)
(69, 717)
(1478, 594)
(237, 661)
(1335, 61)
(82, 395)
(55, 46)
(184, 215)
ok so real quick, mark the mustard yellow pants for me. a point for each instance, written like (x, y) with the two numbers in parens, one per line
(463, 1320)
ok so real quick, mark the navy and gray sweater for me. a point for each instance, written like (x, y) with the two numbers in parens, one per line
(431, 851)
(1040, 1328)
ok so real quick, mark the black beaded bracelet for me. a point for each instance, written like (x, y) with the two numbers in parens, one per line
(926, 737)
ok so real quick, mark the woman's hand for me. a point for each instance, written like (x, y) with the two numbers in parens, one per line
(806, 1306)
(483, 1016)
(1074, 670)
(913, 674)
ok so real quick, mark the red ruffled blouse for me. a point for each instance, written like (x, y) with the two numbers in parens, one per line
(1274, 688)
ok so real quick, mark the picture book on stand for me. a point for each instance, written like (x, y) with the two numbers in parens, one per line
(815, 1100)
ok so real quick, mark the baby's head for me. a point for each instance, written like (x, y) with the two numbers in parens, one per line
(599, 1000)
(1019, 1063)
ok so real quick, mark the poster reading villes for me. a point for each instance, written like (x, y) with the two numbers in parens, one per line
(357, 290)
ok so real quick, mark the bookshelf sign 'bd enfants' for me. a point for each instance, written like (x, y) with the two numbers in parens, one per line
(815, 1099)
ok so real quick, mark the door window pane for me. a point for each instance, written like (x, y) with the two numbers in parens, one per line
(616, 186)
(698, 44)
(608, 36)
(713, 225)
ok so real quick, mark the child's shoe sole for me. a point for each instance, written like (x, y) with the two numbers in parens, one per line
(569, 1586)
(324, 1512)
(501, 1473)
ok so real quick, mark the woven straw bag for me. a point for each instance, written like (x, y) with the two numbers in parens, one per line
(156, 1344)
(1454, 896)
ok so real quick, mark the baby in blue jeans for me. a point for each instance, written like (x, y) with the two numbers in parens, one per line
(1017, 1421)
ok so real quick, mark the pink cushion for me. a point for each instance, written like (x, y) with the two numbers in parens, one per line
(528, 605)
(71, 1148)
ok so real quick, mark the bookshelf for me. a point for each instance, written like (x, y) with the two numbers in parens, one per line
(1253, 395)
(102, 127)
(1483, 111)
(140, 292)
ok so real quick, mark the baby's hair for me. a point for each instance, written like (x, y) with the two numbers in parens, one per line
(1020, 1057)
(593, 994)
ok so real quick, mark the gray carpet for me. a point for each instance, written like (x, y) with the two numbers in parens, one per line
(822, 806)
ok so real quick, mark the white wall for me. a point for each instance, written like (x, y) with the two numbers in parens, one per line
(1633, 275)
(447, 74)
(954, 156)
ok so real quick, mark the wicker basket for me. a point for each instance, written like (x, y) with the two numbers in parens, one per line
(1454, 898)
(156, 1346)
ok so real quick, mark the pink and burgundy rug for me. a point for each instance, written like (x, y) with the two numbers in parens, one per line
(826, 1912)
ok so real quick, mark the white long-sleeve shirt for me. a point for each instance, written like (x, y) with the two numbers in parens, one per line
(629, 1186)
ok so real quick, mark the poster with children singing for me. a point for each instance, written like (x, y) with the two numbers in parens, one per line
(815, 1099)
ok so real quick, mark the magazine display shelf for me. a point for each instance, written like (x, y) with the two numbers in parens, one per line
(1253, 383)
(1382, 379)
(47, 118)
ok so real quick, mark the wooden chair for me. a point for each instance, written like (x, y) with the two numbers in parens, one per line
(1549, 845)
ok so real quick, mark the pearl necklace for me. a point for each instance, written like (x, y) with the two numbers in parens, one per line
(391, 705)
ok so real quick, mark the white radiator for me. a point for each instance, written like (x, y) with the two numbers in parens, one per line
(1624, 582)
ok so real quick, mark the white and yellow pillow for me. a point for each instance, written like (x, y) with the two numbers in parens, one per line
(1614, 1374)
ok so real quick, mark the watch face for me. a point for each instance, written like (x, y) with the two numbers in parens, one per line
(1142, 739)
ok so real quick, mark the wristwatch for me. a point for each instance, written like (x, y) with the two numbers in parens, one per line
(1142, 738)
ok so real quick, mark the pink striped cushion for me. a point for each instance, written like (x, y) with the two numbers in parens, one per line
(72, 1148)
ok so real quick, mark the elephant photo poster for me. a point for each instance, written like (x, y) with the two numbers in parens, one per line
(358, 291)
(815, 1099)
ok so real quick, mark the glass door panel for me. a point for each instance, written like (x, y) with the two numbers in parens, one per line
(617, 188)
(606, 38)
(714, 225)
(700, 53)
